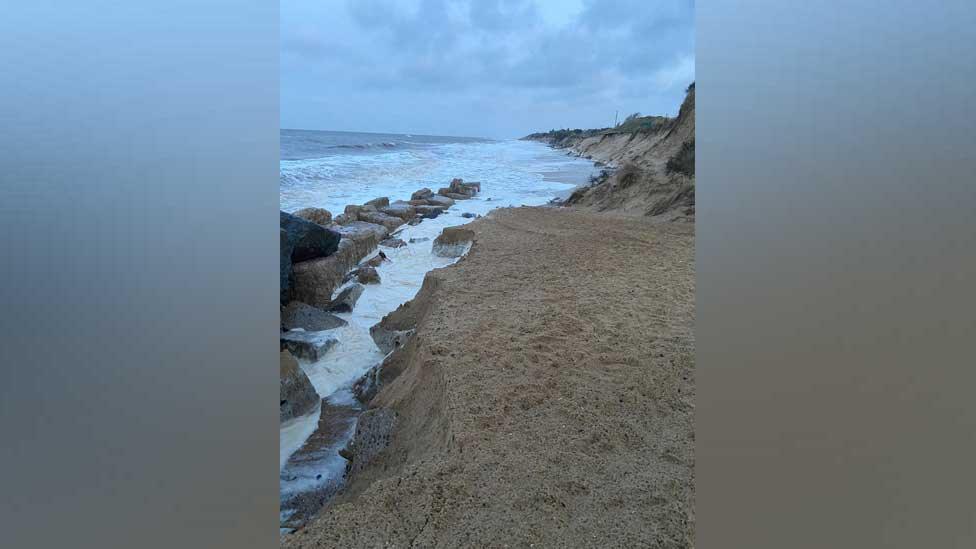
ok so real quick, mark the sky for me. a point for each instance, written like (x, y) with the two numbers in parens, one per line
(481, 68)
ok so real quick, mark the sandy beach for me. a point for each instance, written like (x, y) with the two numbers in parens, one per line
(546, 398)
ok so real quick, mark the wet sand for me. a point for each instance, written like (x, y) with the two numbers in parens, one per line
(546, 399)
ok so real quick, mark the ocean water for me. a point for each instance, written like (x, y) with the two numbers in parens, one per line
(333, 169)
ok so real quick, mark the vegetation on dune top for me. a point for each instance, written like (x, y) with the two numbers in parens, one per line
(634, 123)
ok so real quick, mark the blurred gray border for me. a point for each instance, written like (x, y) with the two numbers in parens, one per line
(139, 156)
(836, 258)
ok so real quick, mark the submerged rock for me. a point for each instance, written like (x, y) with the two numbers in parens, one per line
(315, 215)
(468, 215)
(296, 394)
(308, 345)
(430, 212)
(419, 239)
(453, 242)
(376, 261)
(454, 196)
(347, 298)
(367, 275)
(311, 319)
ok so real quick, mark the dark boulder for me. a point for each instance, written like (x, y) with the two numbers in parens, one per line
(301, 240)
(306, 240)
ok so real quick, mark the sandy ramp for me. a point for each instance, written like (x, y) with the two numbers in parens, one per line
(546, 399)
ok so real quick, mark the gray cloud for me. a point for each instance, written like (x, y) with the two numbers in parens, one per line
(499, 68)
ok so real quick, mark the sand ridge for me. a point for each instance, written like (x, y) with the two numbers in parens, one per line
(546, 398)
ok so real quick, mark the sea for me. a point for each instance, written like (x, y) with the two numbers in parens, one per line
(329, 169)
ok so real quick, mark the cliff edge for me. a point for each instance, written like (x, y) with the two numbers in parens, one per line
(651, 164)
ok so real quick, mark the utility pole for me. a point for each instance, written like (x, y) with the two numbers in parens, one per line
(615, 113)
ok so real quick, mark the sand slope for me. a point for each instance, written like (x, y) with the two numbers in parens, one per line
(546, 399)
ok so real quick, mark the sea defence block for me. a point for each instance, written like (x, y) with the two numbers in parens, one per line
(453, 242)
(313, 282)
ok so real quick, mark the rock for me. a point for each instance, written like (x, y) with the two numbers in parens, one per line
(488, 199)
(313, 282)
(315, 215)
(419, 239)
(367, 386)
(367, 275)
(388, 339)
(342, 219)
(439, 200)
(415, 221)
(454, 196)
(417, 202)
(376, 261)
(430, 212)
(453, 242)
(355, 212)
(403, 210)
(379, 203)
(373, 432)
(358, 229)
(467, 215)
(301, 240)
(381, 218)
(422, 194)
(284, 282)
(393, 243)
(460, 188)
(347, 298)
(308, 345)
(311, 319)
(307, 240)
(296, 394)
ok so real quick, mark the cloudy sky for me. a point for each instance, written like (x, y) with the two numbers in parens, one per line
(488, 68)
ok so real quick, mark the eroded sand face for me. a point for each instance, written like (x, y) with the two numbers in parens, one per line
(546, 398)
